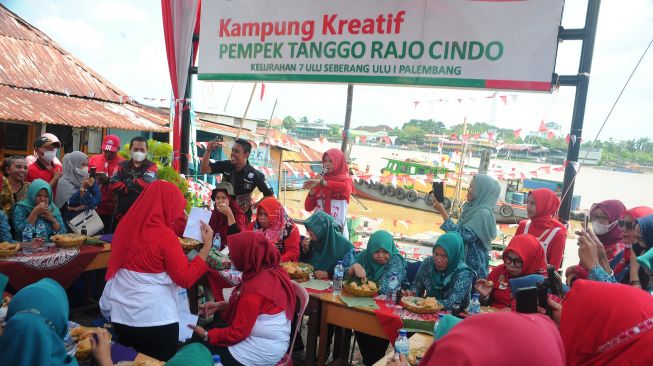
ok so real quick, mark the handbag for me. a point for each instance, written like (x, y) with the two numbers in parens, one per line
(88, 218)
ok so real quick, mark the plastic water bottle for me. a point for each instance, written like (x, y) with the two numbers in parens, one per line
(28, 235)
(401, 343)
(216, 360)
(391, 296)
(437, 322)
(42, 232)
(217, 243)
(338, 275)
(474, 305)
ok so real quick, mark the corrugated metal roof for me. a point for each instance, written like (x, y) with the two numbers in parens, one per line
(43, 83)
(20, 105)
(222, 129)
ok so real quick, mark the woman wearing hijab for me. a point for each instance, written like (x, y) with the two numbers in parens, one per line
(377, 263)
(332, 191)
(146, 266)
(14, 187)
(227, 217)
(523, 256)
(607, 324)
(273, 221)
(76, 191)
(36, 331)
(625, 267)
(542, 206)
(445, 275)
(477, 224)
(37, 208)
(260, 309)
(605, 227)
(325, 246)
(485, 340)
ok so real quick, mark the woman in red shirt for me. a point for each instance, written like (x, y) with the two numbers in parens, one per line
(260, 308)
(227, 217)
(542, 206)
(523, 256)
(146, 268)
(273, 221)
(332, 191)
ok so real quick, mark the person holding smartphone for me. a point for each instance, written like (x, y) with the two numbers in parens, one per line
(76, 191)
(105, 165)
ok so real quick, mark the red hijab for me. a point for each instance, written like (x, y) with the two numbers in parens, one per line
(258, 259)
(594, 313)
(151, 219)
(634, 213)
(547, 204)
(281, 225)
(525, 339)
(339, 174)
(219, 222)
(529, 249)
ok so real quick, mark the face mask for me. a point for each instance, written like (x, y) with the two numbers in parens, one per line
(600, 229)
(138, 156)
(49, 155)
(82, 171)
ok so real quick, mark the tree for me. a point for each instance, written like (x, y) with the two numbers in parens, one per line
(334, 130)
(289, 123)
(319, 121)
(303, 120)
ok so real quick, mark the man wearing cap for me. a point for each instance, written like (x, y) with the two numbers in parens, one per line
(105, 165)
(237, 171)
(45, 167)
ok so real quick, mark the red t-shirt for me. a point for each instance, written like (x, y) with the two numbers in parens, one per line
(39, 171)
(101, 165)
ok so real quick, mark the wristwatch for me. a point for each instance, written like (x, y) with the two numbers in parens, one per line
(206, 337)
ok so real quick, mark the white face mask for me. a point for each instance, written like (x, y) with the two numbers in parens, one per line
(82, 171)
(49, 155)
(600, 229)
(138, 156)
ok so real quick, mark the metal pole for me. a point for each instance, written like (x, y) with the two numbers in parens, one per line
(578, 116)
(271, 116)
(345, 138)
(185, 124)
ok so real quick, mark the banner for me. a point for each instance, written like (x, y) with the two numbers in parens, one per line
(471, 44)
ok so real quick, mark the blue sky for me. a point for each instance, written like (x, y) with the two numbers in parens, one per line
(123, 41)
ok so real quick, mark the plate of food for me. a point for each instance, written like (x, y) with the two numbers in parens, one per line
(188, 244)
(360, 288)
(488, 309)
(8, 250)
(298, 271)
(420, 305)
(71, 240)
(416, 354)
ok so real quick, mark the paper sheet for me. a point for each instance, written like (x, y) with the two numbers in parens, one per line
(193, 225)
(184, 320)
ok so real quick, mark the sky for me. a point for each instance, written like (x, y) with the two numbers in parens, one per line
(123, 41)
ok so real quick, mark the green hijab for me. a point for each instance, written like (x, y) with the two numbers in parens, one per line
(381, 239)
(30, 198)
(478, 215)
(330, 246)
(444, 326)
(37, 324)
(194, 354)
(452, 243)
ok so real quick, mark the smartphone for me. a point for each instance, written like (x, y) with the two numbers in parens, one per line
(438, 190)
(527, 300)
(586, 222)
(91, 171)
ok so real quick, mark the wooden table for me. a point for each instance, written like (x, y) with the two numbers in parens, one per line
(416, 341)
(101, 260)
(336, 312)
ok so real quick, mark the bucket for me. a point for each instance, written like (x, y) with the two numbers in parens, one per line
(518, 198)
(509, 196)
(575, 202)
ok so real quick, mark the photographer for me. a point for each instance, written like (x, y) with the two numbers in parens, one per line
(105, 165)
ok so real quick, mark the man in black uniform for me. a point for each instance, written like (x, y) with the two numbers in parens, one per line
(237, 171)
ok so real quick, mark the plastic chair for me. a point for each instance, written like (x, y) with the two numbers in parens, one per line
(302, 294)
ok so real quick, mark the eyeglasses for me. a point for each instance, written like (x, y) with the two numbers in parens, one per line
(518, 263)
(625, 224)
(599, 218)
